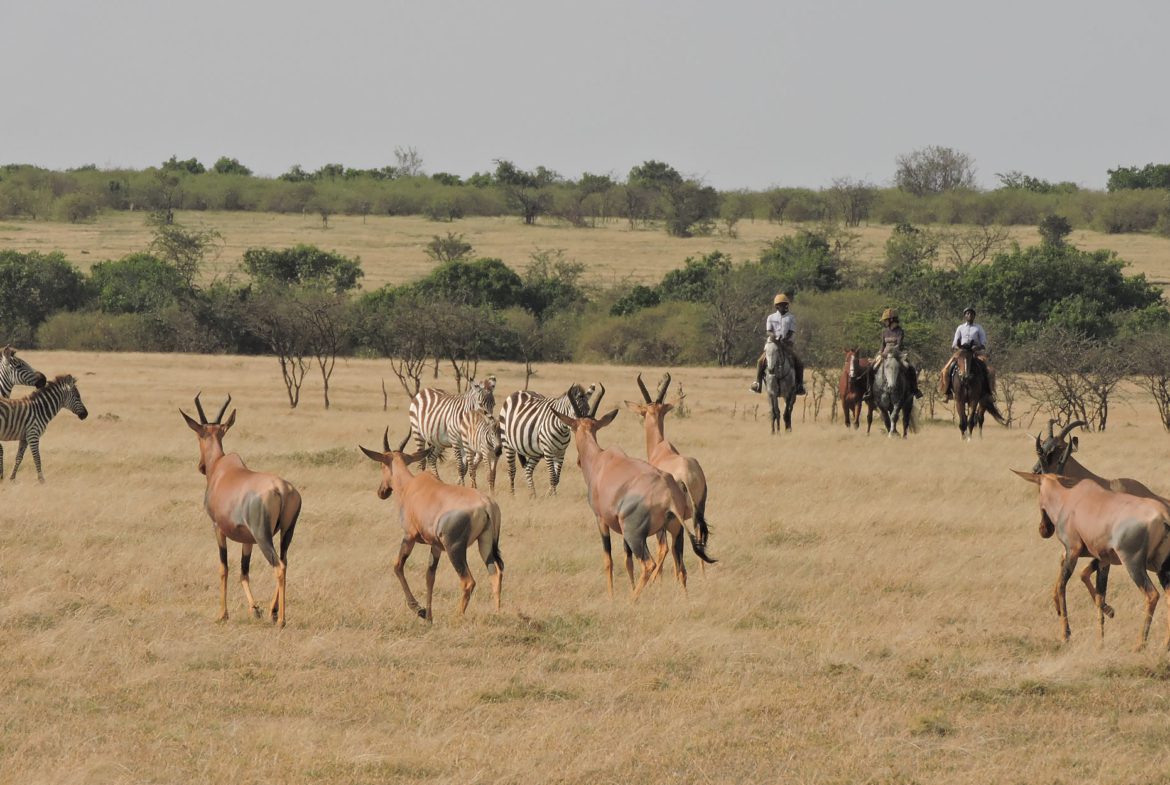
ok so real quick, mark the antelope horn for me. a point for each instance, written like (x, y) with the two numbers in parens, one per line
(1050, 424)
(662, 386)
(222, 409)
(642, 387)
(1071, 425)
(595, 399)
(386, 440)
(199, 408)
(402, 445)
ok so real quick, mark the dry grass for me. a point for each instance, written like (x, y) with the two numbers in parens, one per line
(391, 249)
(881, 611)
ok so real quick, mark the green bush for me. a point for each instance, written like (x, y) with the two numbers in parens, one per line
(667, 334)
(94, 331)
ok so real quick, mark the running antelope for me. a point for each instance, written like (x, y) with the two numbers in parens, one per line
(247, 507)
(445, 517)
(14, 371)
(25, 419)
(1054, 456)
(434, 418)
(479, 438)
(630, 497)
(1116, 528)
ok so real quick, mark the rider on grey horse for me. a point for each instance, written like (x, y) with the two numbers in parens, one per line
(781, 327)
(892, 337)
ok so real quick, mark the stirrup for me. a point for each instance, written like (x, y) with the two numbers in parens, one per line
(755, 387)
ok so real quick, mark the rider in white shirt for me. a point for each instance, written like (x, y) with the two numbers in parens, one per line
(781, 325)
(966, 334)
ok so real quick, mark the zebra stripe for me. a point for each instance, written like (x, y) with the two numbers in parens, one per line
(530, 431)
(480, 441)
(14, 371)
(434, 418)
(26, 418)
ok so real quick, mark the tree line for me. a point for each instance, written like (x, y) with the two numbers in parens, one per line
(932, 185)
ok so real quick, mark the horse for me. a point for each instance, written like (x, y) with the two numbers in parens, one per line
(780, 380)
(857, 379)
(973, 393)
(894, 396)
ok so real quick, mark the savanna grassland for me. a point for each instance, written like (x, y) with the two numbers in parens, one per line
(881, 611)
(391, 248)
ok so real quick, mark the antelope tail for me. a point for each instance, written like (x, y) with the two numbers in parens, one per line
(698, 544)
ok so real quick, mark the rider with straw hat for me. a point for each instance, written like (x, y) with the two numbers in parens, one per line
(781, 327)
(892, 337)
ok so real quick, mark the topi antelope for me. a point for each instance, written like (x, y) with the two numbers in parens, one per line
(665, 457)
(25, 419)
(630, 497)
(247, 507)
(1116, 528)
(14, 371)
(446, 517)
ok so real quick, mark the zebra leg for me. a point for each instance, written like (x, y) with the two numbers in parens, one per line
(529, 468)
(554, 475)
(34, 444)
(19, 458)
(510, 455)
(1, 461)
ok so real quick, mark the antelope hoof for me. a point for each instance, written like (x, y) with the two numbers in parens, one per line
(1107, 610)
(221, 617)
(422, 613)
(256, 611)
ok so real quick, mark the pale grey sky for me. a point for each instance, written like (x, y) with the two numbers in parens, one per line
(741, 94)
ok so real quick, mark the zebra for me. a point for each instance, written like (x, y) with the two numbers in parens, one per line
(14, 371)
(434, 419)
(25, 419)
(531, 432)
(479, 437)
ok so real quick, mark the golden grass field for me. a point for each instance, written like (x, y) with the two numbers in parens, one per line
(391, 248)
(881, 611)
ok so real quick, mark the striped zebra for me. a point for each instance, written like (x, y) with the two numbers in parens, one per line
(531, 432)
(14, 371)
(25, 419)
(434, 419)
(479, 438)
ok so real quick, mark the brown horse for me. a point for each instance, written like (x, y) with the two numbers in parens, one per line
(973, 393)
(856, 383)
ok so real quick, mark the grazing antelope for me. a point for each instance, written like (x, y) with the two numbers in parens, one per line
(25, 419)
(434, 418)
(531, 432)
(479, 438)
(247, 507)
(630, 497)
(445, 517)
(665, 457)
(14, 371)
(1116, 528)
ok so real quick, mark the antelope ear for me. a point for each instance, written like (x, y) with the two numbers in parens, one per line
(1076, 443)
(607, 419)
(636, 408)
(191, 423)
(373, 455)
(231, 420)
(415, 458)
(667, 408)
(571, 422)
(1029, 476)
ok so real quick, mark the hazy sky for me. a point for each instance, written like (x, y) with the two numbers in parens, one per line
(740, 94)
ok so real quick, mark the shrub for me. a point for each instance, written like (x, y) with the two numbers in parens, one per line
(668, 334)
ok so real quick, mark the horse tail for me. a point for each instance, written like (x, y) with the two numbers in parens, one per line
(990, 407)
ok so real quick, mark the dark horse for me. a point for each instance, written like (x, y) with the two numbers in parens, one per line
(857, 379)
(894, 396)
(780, 381)
(973, 393)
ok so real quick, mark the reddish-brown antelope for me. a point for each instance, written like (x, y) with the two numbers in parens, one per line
(247, 507)
(446, 517)
(630, 497)
(665, 457)
(1115, 528)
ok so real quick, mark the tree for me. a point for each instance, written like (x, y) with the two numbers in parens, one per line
(524, 191)
(638, 297)
(227, 165)
(34, 286)
(934, 170)
(137, 283)
(655, 176)
(483, 282)
(803, 261)
(448, 249)
(276, 318)
(408, 162)
(690, 208)
(1054, 229)
(697, 280)
(184, 249)
(327, 314)
(552, 284)
(1149, 176)
(1151, 364)
(303, 264)
(190, 166)
(853, 199)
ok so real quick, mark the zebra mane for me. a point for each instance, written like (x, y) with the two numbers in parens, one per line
(63, 380)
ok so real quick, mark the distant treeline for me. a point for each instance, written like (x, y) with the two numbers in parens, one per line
(1138, 198)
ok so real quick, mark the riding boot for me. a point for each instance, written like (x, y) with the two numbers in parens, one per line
(799, 377)
(913, 374)
(761, 367)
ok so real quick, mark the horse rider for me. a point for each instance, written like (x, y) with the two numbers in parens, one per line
(781, 326)
(892, 337)
(968, 333)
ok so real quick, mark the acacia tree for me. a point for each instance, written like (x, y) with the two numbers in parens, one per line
(278, 321)
(934, 170)
(853, 199)
(327, 315)
(183, 248)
